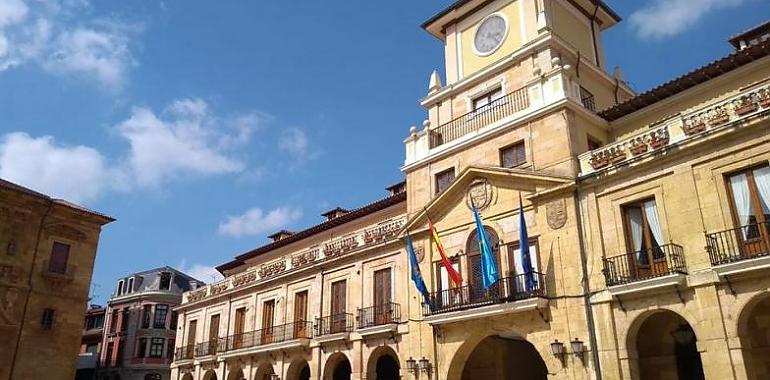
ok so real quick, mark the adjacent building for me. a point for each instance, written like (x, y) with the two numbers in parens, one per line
(47, 252)
(646, 215)
(140, 328)
(91, 343)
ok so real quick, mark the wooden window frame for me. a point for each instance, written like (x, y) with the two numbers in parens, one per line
(437, 182)
(488, 96)
(593, 142)
(513, 147)
(146, 316)
(156, 343)
(511, 258)
(160, 310)
(646, 233)
(56, 264)
(439, 264)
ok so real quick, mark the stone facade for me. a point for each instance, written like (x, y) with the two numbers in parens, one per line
(140, 325)
(647, 259)
(46, 262)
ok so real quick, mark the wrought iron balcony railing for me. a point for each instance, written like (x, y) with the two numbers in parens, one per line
(268, 335)
(379, 315)
(589, 102)
(737, 244)
(334, 324)
(506, 289)
(483, 116)
(211, 347)
(645, 264)
(184, 353)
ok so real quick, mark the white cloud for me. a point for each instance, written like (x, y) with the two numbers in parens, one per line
(255, 221)
(295, 143)
(665, 18)
(49, 33)
(185, 140)
(205, 273)
(76, 173)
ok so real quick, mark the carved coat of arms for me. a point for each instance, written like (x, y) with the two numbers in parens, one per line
(556, 214)
(480, 194)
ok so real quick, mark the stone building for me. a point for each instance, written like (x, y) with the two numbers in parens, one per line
(647, 218)
(47, 252)
(91, 342)
(140, 328)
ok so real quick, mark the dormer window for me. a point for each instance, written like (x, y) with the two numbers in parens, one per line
(131, 285)
(120, 287)
(334, 213)
(165, 281)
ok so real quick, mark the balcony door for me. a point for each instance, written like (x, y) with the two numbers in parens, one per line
(268, 319)
(300, 314)
(644, 239)
(213, 334)
(448, 293)
(339, 303)
(382, 306)
(477, 292)
(191, 328)
(238, 328)
(750, 195)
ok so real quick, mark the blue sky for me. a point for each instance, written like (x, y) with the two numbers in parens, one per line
(204, 126)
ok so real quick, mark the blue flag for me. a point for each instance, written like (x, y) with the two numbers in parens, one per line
(526, 259)
(419, 283)
(489, 274)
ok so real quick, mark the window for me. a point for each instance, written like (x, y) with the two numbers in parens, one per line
(124, 319)
(214, 328)
(339, 307)
(513, 155)
(300, 314)
(593, 143)
(170, 349)
(516, 261)
(120, 287)
(487, 100)
(95, 322)
(161, 311)
(191, 333)
(268, 320)
(165, 281)
(443, 281)
(587, 98)
(131, 285)
(750, 193)
(114, 320)
(146, 313)
(108, 357)
(444, 179)
(141, 348)
(644, 234)
(172, 323)
(92, 348)
(156, 347)
(121, 350)
(60, 253)
(473, 251)
(46, 322)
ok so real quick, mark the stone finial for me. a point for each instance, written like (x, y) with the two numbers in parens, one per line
(412, 130)
(555, 62)
(435, 82)
(426, 124)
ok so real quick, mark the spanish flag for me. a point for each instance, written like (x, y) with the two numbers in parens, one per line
(453, 274)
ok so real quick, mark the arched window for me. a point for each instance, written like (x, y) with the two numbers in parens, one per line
(120, 287)
(473, 251)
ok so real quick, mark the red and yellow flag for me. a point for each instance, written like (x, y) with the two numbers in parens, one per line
(453, 274)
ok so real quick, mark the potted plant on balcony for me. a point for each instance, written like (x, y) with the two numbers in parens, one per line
(637, 146)
(744, 105)
(763, 97)
(694, 124)
(599, 160)
(718, 116)
(617, 154)
(659, 138)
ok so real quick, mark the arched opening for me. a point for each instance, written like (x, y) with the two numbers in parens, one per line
(187, 376)
(264, 372)
(754, 332)
(665, 347)
(298, 370)
(337, 368)
(498, 358)
(236, 374)
(473, 250)
(383, 364)
(210, 375)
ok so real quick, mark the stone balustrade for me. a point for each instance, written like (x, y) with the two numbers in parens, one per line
(678, 129)
(367, 237)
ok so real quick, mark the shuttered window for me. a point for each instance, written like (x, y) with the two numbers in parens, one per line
(60, 254)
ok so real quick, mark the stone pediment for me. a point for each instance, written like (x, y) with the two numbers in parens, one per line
(493, 190)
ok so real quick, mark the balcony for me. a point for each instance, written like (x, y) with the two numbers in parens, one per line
(589, 102)
(379, 319)
(473, 121)
(209, 348)
(184, 353)
(333, 327)
(516, 293)
(740, 249)
(633, 272)
(290, 335)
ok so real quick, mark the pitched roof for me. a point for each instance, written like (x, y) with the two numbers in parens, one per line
(698, 76)
(318, 228)
(62, 202)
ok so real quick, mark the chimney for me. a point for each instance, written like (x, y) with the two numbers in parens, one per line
(280, 235)
(334, 213)
(757, 35)
(397, 188)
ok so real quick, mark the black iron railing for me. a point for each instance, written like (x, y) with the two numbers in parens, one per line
(642, 265)
(473, 121)
(268, 335)
(589, 102)
(506, 289)
(736, 244)
(184, 353)
(379, 315)
(209, 348)
(334, 324)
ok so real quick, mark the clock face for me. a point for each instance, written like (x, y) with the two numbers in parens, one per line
(490, 34)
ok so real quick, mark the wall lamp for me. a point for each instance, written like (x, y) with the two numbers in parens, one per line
(577, 346)
(415, 366)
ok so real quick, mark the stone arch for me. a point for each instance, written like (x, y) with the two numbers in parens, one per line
(501, 355)
(187, 376)
(210, 375)
(754, 335)
(627, 338)
(236, 373)
(662, 344)
(299, 369)
(264, 371)
(383, 363)
(337, 366)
